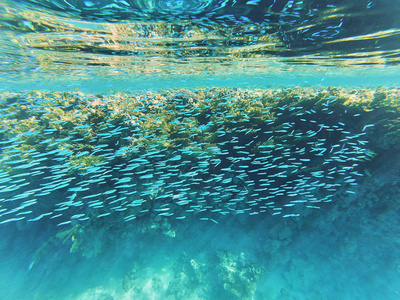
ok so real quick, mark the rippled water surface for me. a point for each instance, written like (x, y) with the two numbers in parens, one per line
(209, 149)
(151, 40)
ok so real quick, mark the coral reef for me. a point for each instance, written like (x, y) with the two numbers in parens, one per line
(238, 275)
(145, 162)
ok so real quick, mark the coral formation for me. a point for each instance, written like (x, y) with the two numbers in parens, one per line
(238, 275)
(100, 162)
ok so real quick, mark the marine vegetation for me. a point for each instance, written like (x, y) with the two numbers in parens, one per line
(75, 158)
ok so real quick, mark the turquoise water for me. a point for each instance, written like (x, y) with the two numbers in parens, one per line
(199, 149)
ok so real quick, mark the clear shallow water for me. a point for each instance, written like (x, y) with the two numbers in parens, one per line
(137, 170)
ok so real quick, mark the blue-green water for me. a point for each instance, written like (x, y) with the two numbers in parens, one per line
(199, 149)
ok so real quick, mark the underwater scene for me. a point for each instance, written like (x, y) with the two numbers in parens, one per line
(200, 149)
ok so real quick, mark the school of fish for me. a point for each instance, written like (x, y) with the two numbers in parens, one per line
(73, 157)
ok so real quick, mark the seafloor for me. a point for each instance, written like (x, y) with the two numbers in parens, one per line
(200, 194)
